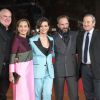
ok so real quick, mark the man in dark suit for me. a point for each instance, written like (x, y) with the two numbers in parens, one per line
(5, 44)
(65, 60)
(88, 48)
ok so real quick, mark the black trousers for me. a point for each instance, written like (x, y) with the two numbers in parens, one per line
(4, 82)
(72, 88)
(91, 86)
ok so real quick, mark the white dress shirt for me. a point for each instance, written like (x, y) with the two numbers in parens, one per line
(83, 46)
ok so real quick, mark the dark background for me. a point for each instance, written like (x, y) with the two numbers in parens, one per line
(34, 9)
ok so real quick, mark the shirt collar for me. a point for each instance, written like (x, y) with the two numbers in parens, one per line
(91, 31)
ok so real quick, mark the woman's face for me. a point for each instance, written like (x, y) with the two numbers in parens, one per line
(23, 28)
(44, 28)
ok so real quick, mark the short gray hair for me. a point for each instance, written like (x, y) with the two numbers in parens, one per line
(4, 10)
(92, 16)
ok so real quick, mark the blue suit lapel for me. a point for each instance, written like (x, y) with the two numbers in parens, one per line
(37, 43)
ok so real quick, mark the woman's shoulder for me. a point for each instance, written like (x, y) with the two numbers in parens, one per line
(16, 38)
(51, 38)
(34, 37)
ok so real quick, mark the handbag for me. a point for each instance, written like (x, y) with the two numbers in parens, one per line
(16, 77)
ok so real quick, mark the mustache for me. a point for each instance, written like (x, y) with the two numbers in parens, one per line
(61, 30)
(67, 28)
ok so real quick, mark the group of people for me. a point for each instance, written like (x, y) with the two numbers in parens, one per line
(75, 54)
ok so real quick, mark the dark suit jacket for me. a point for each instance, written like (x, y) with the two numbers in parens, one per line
(5, 43)
(65, 60)
(94, 51)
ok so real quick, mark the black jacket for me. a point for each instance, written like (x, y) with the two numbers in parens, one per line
(5, 45)
(94, 52)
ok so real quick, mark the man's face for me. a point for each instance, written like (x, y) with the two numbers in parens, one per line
(63, 24)
(88, 23)
(5, 18)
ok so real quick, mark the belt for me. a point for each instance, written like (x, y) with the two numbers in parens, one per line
(89, 65)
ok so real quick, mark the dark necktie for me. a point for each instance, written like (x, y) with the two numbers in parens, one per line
(65, 38)
(86, 47)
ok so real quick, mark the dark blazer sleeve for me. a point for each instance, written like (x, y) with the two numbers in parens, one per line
(79, 41)
(2, 47)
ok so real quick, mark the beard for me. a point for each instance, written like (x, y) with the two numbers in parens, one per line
(64, 30)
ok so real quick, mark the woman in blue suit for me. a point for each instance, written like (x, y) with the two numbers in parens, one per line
(42, 47)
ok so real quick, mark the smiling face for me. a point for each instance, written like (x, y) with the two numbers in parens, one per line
(5, 17)
(23, 28)
(44, 27)
(88, 23)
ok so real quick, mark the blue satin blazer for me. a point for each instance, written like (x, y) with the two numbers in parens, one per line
(42, 62)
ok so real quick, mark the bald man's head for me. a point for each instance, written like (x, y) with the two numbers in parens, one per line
(5, 17)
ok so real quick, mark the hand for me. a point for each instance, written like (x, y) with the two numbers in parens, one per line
(11, 77)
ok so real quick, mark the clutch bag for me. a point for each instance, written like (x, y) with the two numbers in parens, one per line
(16, 77)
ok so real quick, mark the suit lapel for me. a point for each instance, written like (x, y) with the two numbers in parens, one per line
(38, 45)
(69, 41)
(51, 45)
(93, 38)
(82, 37)
(61, 43)
(80, 42)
